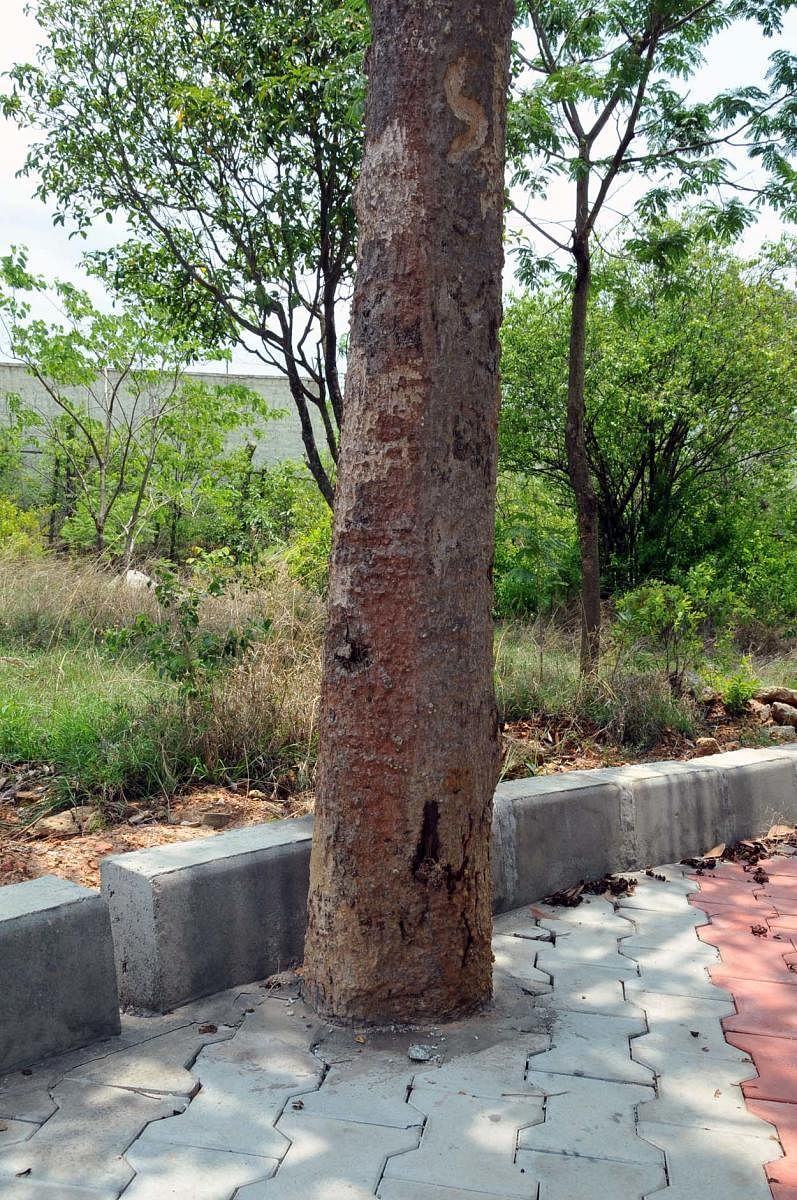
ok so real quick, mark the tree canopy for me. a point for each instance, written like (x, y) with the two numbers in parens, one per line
(227, 135)
(691, 399)
(602, 95)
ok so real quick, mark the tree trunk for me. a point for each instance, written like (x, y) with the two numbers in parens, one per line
(399, 907)
(578, 462)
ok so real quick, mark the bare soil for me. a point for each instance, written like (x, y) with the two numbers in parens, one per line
(28, 851)
(26, 854)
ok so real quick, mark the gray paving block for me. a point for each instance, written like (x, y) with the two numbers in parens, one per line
(192, 1173)
(704, 1162)
(84, 1142)
(594, 1046)
(196, 917)
(339, 1159)
(469, 1142)
(395, 1189)
(27, 1189)
(590, 1118)
(563, 1177)
(57, 980)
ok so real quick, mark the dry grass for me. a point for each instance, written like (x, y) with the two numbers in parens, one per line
(255, 721)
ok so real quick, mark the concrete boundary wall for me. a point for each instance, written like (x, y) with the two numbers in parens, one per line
(192, 918)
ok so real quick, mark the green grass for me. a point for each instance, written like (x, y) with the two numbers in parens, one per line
(537, 671)
(84, 713)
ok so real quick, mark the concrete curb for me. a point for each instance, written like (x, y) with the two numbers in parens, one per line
(57, 977)
(197, 917)
(193, 918)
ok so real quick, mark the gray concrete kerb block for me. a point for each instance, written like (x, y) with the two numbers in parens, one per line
(197, 917)
(760, 787)
(550, 831)
(194, 918)
(57, 977)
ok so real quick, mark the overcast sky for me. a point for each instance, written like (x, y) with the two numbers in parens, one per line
(737, 56)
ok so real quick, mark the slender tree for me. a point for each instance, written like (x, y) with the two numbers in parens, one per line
(399, 908)
(599, 101)
(226, 134)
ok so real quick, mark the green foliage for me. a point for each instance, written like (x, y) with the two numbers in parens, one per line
(737, 686)
(132, 450)
(229, 140)
(536, 553)
(20, 532)
(307, 556)
(87, 715)
(690, 413)
(176, 644)
(662, 619)
(602, 95)
(537, 673)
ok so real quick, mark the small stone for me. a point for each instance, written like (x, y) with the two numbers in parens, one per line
(420, 1053)
(707, 745)
(783, 733)
(192, 824)
(784, 714)
(217, 820)
(57, 825)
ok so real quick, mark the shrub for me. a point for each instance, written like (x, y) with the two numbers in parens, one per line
(20, 532)
(662, 619)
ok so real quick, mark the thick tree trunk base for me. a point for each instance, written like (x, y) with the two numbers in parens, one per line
(399, 908)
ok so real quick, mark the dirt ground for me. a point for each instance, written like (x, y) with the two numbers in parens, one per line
(74, 851)
(71, 844)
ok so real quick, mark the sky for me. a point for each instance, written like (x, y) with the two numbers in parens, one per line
(737, 55)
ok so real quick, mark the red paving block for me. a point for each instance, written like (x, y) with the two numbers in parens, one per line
(733, 890)
(781, 898)
(777, 867)
(755, 970)
(763, 1007)
(756, 912)
(747, 956)
(775, 1059)
(782, 1171)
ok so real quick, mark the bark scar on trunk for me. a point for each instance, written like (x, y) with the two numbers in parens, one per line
(465, 109)
(427, 852)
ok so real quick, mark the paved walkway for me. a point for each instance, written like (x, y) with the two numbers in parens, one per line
(602, 1070)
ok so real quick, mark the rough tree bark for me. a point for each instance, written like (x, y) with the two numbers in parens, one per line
(399, 907)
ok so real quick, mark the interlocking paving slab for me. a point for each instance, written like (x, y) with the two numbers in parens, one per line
(342, 1159)
(183, 1172)
(84, 1141)
(563, 1178)
(705, 1163)
(593, 1046)
(395, 1189)
(469, 1142)
(601, 1067)
(775, 1060)
(590, 1118)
